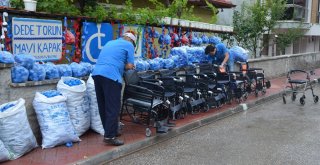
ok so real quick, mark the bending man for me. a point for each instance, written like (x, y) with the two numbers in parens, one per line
(114, 58)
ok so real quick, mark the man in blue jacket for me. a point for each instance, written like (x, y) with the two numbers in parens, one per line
(115, 57)
(219, 54)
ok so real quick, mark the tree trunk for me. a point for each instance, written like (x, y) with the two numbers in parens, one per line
(255, 47)
(81, 4)
(168, 3)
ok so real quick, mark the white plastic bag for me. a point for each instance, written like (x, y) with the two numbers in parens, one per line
(79, 114)
(4, 153)
(96, 123)
(16, 133)
(54, 120)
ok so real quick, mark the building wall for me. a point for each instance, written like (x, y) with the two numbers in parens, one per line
(314, 11)
(226, 17)
(304, 61)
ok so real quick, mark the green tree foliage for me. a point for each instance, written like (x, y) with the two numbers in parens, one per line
(57, 6)
(214, 10)
(130, 15)
(284, 39)
(251, 22)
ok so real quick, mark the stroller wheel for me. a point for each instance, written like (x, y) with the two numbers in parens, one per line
(293, 97)
(302, 102)
(148, 132)
(264, 91)
(284, 99)
(315, 98)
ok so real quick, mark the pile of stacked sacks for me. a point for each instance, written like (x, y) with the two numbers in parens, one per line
(27, 69)
(179, 57)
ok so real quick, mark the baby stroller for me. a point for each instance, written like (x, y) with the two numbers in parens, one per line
(294, 84)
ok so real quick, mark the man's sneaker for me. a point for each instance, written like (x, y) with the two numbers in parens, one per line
(113, 141)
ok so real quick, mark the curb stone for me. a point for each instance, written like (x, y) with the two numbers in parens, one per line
(148, 142)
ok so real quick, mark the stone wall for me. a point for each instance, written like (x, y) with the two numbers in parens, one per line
(273, 67)
(279, 65)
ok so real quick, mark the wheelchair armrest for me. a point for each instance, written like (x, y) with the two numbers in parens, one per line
(151, 86)
(151, 80)
(196, 76)
(131, 87)
(252, 69)
(234, 72)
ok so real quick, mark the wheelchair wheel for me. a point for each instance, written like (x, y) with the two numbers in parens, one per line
(256, 93)
(315, 98)
(148, 132)
(245, 96)
(284, 99)
(218, 104)
(302, 102)
(206, 108)
(294, 96)
(135, 119)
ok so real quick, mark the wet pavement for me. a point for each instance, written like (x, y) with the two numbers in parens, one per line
(272, 133)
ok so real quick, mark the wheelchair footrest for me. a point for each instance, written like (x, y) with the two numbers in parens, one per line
(176, 108)
(197, 102)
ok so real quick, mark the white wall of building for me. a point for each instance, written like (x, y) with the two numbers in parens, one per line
(225, 17)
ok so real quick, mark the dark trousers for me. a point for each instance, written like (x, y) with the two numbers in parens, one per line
(109, 102)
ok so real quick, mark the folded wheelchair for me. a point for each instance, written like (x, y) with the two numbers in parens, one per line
(215, 95)
(192, 87)
(232, 83)
(144, 102)
(255, 78)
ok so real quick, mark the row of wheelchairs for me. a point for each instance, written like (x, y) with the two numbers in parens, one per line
(159, 97)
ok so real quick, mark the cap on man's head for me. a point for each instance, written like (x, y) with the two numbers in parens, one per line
(131, 35)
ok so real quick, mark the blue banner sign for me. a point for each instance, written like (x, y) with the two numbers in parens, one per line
(95, 36)
(40, 38)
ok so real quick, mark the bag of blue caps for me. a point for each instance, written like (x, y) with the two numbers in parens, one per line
(160, 62)
(54, 119)
(239, 54)
(25, 60)
(19, 74)
(52, 71)
(168, 63)
(88, 67)
(78, 70)
(140, 65)
(37, 73)
(154, 65)
(64, 70)
(16, 133)
(4, 153)
(6, 57)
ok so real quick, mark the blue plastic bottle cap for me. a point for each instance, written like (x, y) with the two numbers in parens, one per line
(69, 144)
